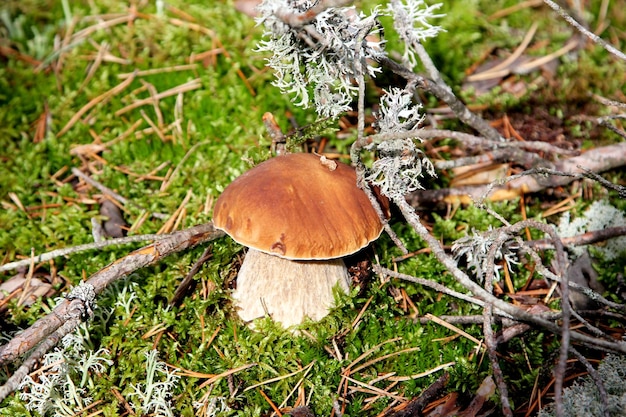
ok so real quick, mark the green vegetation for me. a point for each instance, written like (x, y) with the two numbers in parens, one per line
(63, 104)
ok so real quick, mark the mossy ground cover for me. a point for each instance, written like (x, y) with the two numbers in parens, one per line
(58, 112)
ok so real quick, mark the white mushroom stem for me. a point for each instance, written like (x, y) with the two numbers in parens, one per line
(288, 290)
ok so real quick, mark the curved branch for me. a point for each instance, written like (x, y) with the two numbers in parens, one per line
(80, 248)
(66, 316)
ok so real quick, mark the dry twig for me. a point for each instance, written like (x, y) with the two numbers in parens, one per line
(70, 312)
(561, 173)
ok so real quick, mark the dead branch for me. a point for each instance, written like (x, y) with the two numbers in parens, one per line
(57, 253)
(443, 92)
(588, 238)
(595, 38)
(473, 141)
(416, 405)
(74, 309)
(37, 354)
(478, 292)
(604, 182)
(490, 339)
(297, 20)
(596, 160)
(187, 283)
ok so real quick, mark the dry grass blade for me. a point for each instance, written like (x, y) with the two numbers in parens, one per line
(536, 63)
(515, 8)
(171, 223)
(170, 178)
(188, 86)
(217, 377)
(94, 102)
(104, 24)
(453, 328)
(279, 378)
(93, 67)
(564, 205)
(376, 390)
(503, 68)
(365, 354)
(29, 277)
(296, 386)
(162, 70)
(382, 358)
(422, 374)
(14, 197)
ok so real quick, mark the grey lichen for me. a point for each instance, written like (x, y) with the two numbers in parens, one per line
(320, 55)
(411, 21)
(583, 398)
(400, 164)
(475, 250)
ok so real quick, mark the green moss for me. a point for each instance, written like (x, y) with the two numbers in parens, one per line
(221, 132)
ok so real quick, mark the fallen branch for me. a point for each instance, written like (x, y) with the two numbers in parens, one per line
(80, 248)
(69, 313)
(597, 160)
(416, 405)
(588, 238)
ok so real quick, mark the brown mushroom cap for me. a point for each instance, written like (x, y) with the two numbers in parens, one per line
(296, 207)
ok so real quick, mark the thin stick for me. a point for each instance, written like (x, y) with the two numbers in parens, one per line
(595, 38)
(57, 253)
(106, 190)
(451, 265)
(187, 282)
(147, 255)
(444, 93)
(597, 379)
(490, 340)
(587, 238)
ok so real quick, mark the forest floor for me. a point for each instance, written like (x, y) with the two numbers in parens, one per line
(134, 117)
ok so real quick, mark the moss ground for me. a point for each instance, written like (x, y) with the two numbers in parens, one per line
(60, 113)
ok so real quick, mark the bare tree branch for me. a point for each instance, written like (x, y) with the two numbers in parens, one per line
(444, 93)
(57, 253)
(561, 173)
(71, 311)
(554, 6)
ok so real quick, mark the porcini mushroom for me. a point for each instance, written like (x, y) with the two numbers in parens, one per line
(298, 214)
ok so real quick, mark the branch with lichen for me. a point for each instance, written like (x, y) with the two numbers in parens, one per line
(46, 332)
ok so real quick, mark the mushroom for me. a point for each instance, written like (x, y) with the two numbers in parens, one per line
(298, 214)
